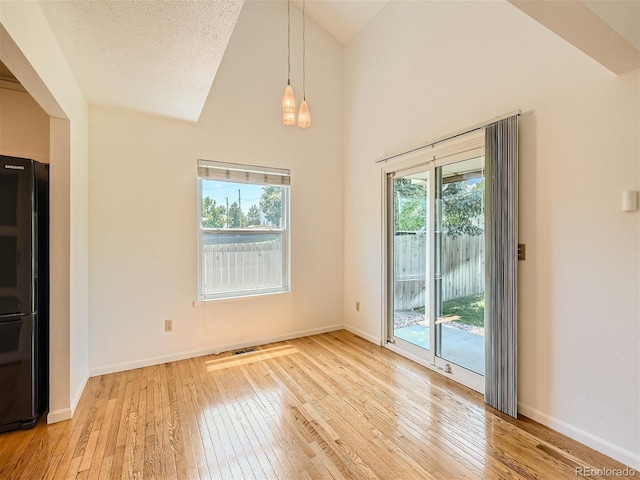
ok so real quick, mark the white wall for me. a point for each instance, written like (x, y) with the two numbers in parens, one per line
(143, 257)
(30, 51)
(24, 126)
(423, 69)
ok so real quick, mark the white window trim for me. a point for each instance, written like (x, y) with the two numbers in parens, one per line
(285, 231)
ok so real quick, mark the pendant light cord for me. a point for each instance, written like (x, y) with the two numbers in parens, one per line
(288, 42)
(304, 24)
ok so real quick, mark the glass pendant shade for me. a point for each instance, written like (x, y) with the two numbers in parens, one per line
(289, 119)
(304, 117)
(289, 101)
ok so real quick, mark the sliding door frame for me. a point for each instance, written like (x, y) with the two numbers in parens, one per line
(456, 150)
(388, 334)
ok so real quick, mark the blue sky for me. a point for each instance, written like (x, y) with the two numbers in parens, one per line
(219, 191)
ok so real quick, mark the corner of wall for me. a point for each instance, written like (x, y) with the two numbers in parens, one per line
(30, 50)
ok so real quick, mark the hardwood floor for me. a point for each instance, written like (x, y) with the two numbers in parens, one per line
(329, 406)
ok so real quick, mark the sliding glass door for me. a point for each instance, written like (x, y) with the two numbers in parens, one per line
(409, 209)
(459, 252)
(435, 266)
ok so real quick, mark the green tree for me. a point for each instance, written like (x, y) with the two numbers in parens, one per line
(413, 214)
(253, 216)
(462, 204)
(410, 204)
(236, 218)
(271, 204)
(212, 214)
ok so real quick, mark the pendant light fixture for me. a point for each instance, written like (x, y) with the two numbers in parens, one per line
(289, 99)
(304, 117)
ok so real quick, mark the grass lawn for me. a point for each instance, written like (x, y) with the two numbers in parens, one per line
(469, 309)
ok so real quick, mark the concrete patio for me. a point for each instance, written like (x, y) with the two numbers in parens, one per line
(458, 346)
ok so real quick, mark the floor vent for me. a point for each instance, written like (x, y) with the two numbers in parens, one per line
(246, 350)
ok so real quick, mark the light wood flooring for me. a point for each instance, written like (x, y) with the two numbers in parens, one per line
(329, 406)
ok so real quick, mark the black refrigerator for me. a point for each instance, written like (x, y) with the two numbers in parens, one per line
(24, 292)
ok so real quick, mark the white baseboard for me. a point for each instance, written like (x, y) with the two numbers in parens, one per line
(361, 334)
(63, 414)
(603, 446)
(76, 397)
(147, 362)
(59, 415)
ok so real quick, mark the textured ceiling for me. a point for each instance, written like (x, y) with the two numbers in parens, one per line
(159, 57)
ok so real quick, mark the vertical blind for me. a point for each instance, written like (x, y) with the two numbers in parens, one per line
(501, 265)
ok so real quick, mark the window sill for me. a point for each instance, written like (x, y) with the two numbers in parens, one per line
(203, 302)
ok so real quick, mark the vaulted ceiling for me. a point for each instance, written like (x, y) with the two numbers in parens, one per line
(154, 56)
(162, 57)
(607, 31)
(5, 73)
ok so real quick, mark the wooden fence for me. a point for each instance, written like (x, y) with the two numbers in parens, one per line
(242, 266)
(249, 266)
(462, 268)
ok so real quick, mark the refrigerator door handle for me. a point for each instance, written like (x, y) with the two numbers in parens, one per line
(13, 315)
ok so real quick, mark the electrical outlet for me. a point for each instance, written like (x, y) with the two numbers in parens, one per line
(168, 325)
(357, 306)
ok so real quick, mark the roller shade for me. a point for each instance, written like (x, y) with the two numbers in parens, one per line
(230, 172)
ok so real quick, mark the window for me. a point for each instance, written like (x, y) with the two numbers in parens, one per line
(243, 229)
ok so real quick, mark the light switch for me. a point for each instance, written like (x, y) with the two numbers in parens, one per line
(522, 251)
